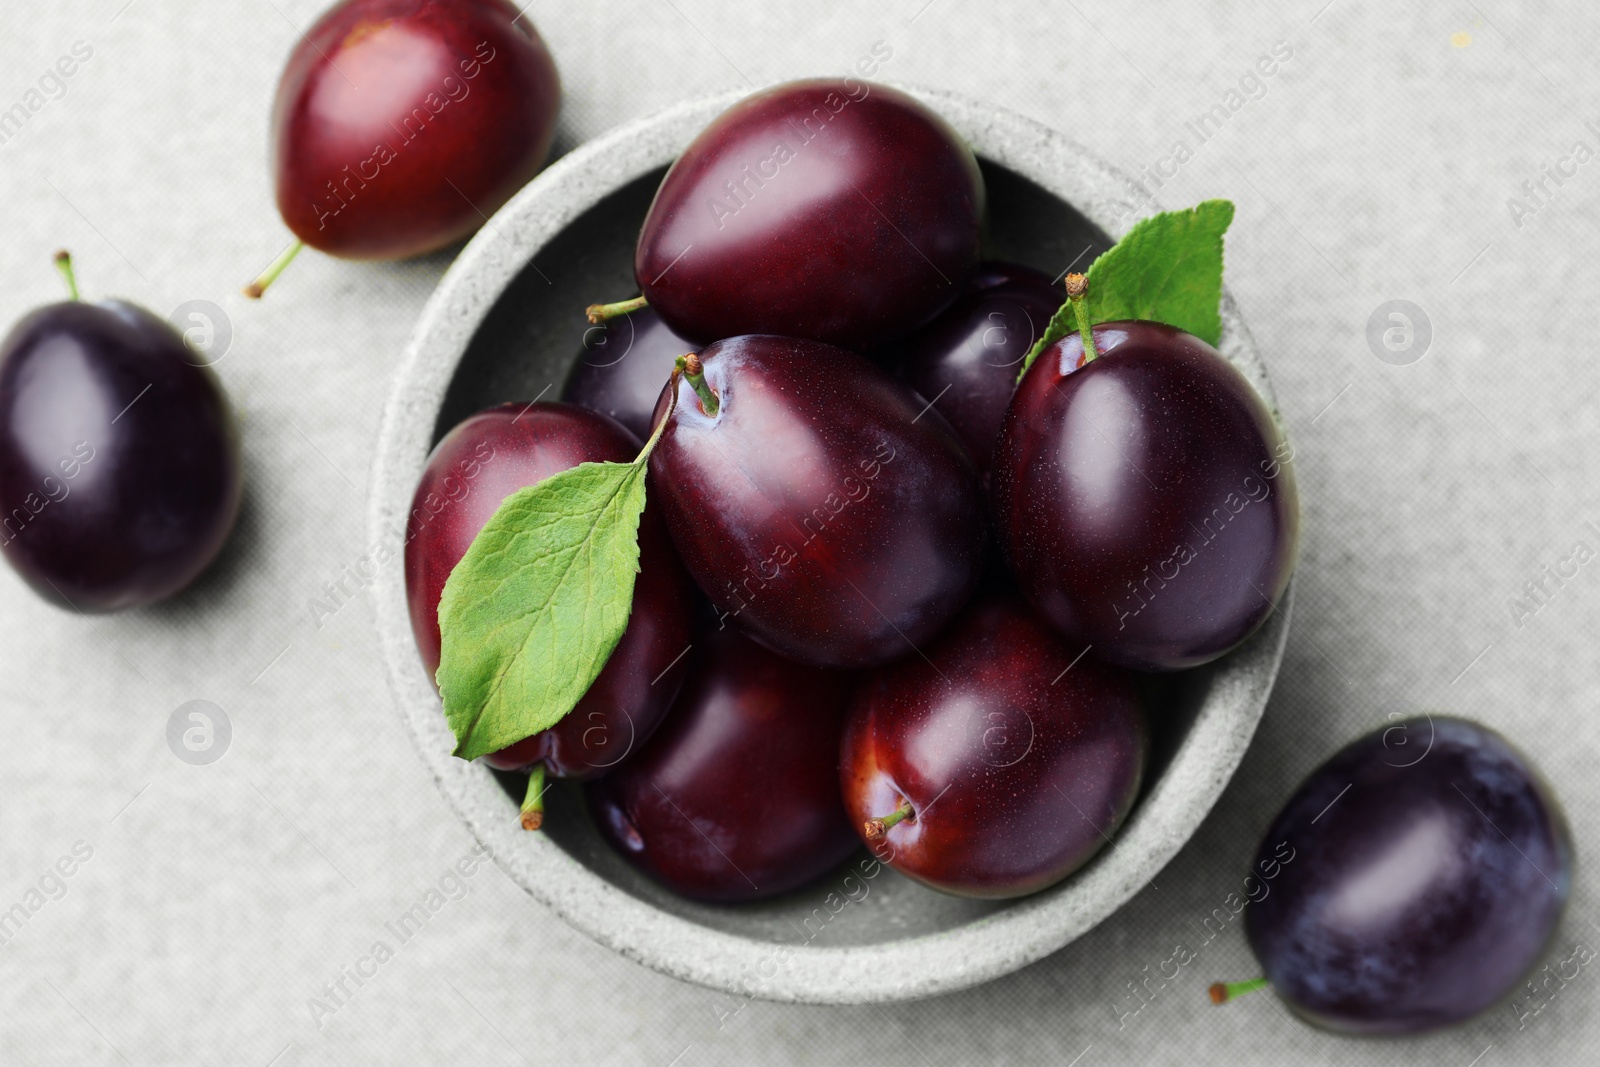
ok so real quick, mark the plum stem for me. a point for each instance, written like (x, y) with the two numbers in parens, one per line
(258, 287)
(1077, 292)
(1222, 992)
(64, 265)
(672, 405)
(533, 802)
(876, 828)
(694, 374)
(599, 313)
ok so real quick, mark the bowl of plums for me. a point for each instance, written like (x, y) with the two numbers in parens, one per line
(846, 544)
(847, 538)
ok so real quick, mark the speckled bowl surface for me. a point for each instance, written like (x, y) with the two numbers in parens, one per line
(506, 324)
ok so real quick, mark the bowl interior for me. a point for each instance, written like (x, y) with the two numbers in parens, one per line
(523, 350)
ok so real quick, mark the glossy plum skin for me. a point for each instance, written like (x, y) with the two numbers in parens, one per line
(969, 356)
(736, 798)
(1021, 780)
(397, 122)
(480, 462)
(119, 457)
(829, 209)
(1145, 501)
(1429, 865)
(823, 509)
(624, 365)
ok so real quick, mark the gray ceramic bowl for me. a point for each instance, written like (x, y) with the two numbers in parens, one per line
(506, 324)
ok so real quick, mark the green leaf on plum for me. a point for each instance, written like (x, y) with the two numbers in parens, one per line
(1168, 268)
(532, 612)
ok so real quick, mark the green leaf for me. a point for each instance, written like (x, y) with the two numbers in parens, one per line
(1167, 269)
(533, 610)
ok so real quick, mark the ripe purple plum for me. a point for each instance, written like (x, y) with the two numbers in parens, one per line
(997, 765)
(400, 125)
(479, 463)
(828, 209)
(818, 502)
(624, 364)
(966, 360)
(1420, 874)
(1145, 500)
(119, 456)
(736, 798)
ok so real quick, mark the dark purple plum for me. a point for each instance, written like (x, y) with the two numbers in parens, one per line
(969, 356)
(737, 797)
(624, 364)
(119, 456)
(479, 463)
(1146, 500)
(834, 210)
(822, 506)
(400, 125)
(997, 765)
(1420, 874)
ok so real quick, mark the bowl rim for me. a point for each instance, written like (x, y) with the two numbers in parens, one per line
(1171, 808)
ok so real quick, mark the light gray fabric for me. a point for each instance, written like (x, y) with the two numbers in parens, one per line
(1375, 164)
